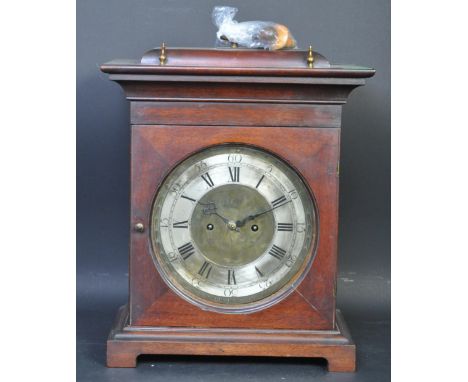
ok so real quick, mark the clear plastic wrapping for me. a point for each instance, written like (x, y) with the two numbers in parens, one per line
(250, 34)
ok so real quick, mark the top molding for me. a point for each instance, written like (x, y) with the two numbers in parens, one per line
(234, 62)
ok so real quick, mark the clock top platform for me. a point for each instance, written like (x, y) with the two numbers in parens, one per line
(235, 62)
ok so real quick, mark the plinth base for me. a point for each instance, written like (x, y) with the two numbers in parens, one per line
(126, 343)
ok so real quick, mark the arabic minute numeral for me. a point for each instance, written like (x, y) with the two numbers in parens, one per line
(300, 227)
(196, 282)
(176, 188)
(171, 256)
(290, 261)
(201, 166)
(293, 194)
(264, 284)
(235, 158)
(229, 292)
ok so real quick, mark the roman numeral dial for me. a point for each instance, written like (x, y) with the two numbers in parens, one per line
(183, 224)
(277, 252)
(285, 227)
(186, 250)
(259, 272)
(278, 202)
(260, 181)
(231, 228)
(205, 270)
(188, 198)
(231, 277)
(234, 174)
(207, 178)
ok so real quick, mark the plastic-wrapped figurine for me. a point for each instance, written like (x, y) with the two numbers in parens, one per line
(250, 34)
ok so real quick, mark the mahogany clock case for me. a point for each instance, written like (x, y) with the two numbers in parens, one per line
(186, 100)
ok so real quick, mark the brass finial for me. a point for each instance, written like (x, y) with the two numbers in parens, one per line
(162, 56)
(310, 58)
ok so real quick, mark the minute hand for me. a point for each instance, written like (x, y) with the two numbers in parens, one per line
(242, 222)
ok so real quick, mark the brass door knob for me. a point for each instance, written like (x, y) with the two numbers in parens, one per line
(139, 227)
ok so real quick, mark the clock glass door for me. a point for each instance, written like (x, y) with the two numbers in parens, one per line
(233, 229)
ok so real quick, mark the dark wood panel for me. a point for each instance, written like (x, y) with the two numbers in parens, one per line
(124, 77)
(126, 343)
(312, 151)
(246, 114)
(235, 92)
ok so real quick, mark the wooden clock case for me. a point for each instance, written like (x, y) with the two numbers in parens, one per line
(184, 100)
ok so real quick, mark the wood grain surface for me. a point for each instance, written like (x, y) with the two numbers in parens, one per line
(202, 98)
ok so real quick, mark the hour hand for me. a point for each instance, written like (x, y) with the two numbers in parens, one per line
(212, 210)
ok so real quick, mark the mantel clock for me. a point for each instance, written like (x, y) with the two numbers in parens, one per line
(234, 204)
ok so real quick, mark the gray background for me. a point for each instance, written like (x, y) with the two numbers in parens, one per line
(346, 31)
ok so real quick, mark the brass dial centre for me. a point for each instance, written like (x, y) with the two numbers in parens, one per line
(227, 244)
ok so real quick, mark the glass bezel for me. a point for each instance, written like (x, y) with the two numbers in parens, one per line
(262, 299)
